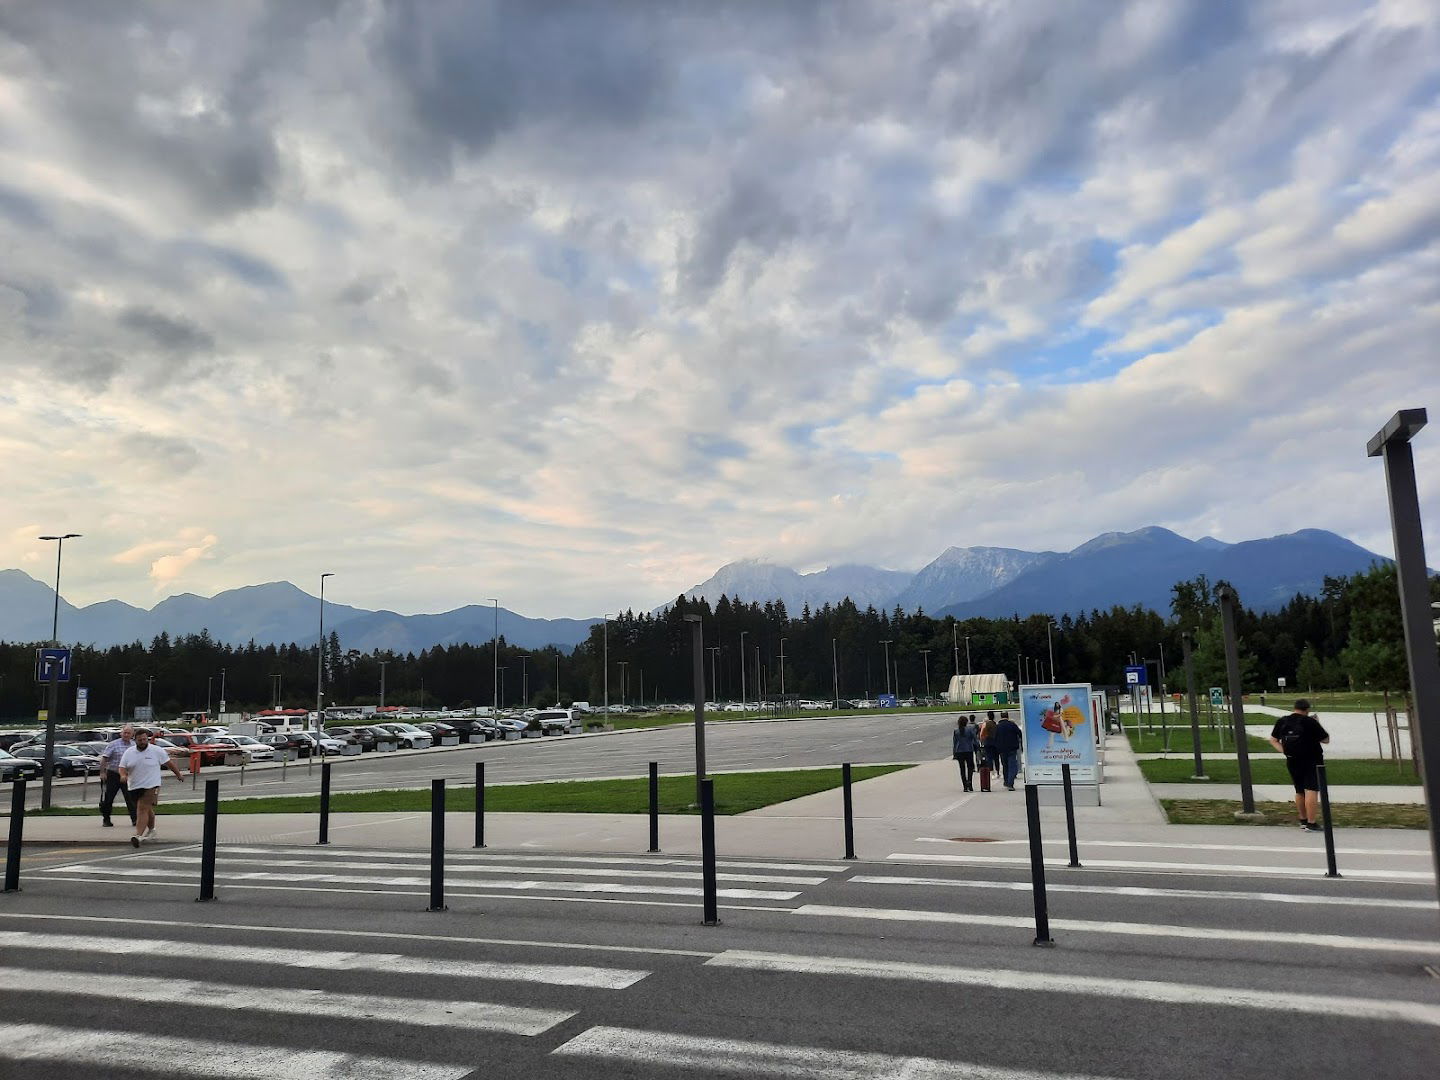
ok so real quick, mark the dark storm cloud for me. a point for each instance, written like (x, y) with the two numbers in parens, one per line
(172, 334)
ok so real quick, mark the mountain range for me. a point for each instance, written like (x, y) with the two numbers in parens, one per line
(1116, 568)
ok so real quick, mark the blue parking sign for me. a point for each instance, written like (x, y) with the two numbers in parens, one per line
(48, 661)
(1135, 676)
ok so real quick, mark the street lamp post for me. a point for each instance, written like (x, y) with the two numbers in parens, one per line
(1050, 644)
(925, 654)
(782, 671)
(968, 670)
(209, 686)
(495, 664)
(835, 672)
(714, 651)
(124, 677)
(222, 691)
(955, 644)
(275, 677)
(697, 645)
(1392, 442)
(383, 665)
(1163, 694)
(524, 681)
(1237, 706)
(886, 643)
(320, 675)
(54, 700)
(624, 678)
(742, 669)
(605, 662)
(150, 695)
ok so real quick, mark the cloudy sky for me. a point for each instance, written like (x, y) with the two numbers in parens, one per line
(571, 303)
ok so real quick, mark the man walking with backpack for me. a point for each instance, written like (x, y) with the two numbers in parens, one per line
(1301, 739)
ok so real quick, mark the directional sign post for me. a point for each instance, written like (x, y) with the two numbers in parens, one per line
(52, 662)
(52, 667)
(1217, 697)
(82, 701)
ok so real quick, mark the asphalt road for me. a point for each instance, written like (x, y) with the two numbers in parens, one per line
(729, 746)
(317, 964)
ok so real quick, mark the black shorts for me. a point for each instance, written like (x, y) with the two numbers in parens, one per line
(1302, 773)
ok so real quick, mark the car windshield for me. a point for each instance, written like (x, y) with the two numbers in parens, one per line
(6, 754)
(245, 739)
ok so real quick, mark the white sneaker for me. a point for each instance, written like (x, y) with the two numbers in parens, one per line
(149, 832)
(135, 841)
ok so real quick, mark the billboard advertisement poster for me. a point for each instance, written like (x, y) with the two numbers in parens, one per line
(1057, 729)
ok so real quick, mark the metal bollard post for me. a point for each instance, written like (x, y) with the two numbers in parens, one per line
(707, 850)
(479, 804)
(17, 836)
(1070, 815)
(1330, 870)
(437, 845)
(1037, 867)
(325, 803)
(849, 812)
(207, 841)
(654, 806)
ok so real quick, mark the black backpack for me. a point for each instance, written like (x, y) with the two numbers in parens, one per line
(1289, 730)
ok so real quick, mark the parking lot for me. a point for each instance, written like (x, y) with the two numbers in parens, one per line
(730, 745)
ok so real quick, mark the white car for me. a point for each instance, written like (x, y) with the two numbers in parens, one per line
(555, 721)
(735, 706)
(409, 735)
(253, 749)
(328, 744)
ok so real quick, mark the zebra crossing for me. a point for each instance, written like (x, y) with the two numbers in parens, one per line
(255, 988)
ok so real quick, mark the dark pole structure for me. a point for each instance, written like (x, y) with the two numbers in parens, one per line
(1237, 707)
(654, 806)
(849, 812)
(17, 837)
(697, 647)
(207, 841)
(437, 845)
(479, 804)
(324, 803)
(707, 852)
(1392, 442)
(1187, 641)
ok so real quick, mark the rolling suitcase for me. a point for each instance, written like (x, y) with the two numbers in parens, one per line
(985, 777)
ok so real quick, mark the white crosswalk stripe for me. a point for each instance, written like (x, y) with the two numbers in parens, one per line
(471, 1015)
(551, 974)
(87, 1050)
(1223, 869)
(520, 856)
(746, 1058)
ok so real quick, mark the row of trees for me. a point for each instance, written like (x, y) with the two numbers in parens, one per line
(1348, 637)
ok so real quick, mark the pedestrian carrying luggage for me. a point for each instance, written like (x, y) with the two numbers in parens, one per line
(985, 777)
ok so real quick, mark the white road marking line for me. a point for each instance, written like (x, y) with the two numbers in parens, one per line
(87, 1051)
(1204, 933)
(1188, 846)
(744, 1058)
(550, 974)
(1141, 890)
(500, 868)
(512, 856)
(952, 807)
(387, 935)
(1418, 876)
(357, 879)
(472, 1015)
(1346, 1008)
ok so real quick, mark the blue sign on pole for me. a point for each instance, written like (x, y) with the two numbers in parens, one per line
(1136, 676)
(48, 659)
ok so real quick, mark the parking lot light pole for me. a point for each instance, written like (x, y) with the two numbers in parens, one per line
(925, 655)
(1392, 442)
(48, 762)
(320, 676)
(835, 672)
(383, 665)
(886, 643)
(495, 664)
(742, 669)
(697, 648)
(782, 671)
(605, 662)
(1237, 706)
(524, 681)
(124, 677)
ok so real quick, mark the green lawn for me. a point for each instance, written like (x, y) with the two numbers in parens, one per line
(1180, 742)
(1342, 815)
(735, 793)
(1340, 701)
(1272, 771)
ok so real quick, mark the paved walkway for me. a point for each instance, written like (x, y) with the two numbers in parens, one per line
(1340, 793)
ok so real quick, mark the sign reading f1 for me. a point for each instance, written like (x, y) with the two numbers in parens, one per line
(52, 660)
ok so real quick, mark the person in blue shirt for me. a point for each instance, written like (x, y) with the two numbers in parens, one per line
(965, 741)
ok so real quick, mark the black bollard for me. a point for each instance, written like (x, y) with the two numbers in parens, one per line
(1330, 870)
(654, 806)
(1037, 867)
(479, 804)
(849, 812)
(17, 836)
(437, 846)
(707, 850)
(325, 803)
(1070, 815)
(207, 841)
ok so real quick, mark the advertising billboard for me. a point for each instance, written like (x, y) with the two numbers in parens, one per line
(1059, 730)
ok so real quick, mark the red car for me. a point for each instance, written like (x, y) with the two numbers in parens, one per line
(188, 744)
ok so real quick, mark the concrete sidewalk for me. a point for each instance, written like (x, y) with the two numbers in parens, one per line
(1339, 793)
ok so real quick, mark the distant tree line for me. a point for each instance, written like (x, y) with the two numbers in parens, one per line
(1348, 637)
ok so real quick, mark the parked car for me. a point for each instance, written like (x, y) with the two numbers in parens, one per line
(409, 736)
(67, 760)
(252, 748)
(510, 723)
(362, 737)
(11, 739)
(93, 748)
(555, 721)
(212, 730)
(17, 768)
(185, 743)
(286, 741)
(439, 730)
(326, 743)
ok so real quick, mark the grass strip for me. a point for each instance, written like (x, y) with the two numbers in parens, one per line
(735, 793)
(1343, 815)
(1338, 771)
(1180, 741)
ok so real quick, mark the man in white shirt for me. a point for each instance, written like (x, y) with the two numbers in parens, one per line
(140, 769)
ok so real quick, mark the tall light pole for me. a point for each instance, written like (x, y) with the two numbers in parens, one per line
(209, 686)
(697, 644)
(782, 670)
(624, 694)
(150, 695)
(742, 669)
(54, 703)
(320, 675)
(886, 643)
(383, 665)
(955, 644)
(1050, 644)
(524, 681)
(714, 651)
(1163, 694)
(759, 680)
(557, 677)
(835, 672)
(968, 671)
(495, 664)
(1392, 444)
(925, 653)
(605, 662)
(124, 676)
(275, 678)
